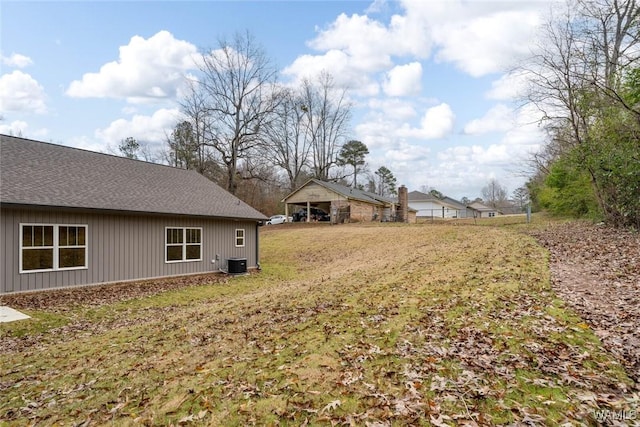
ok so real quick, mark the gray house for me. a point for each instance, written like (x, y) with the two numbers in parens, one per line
(70, 217)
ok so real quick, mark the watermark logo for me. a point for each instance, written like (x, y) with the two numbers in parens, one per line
(604, 415)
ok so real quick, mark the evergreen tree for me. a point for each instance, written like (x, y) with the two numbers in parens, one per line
(353, 154)
(386, 185)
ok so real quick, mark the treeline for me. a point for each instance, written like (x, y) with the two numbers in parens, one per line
(586, 80)
(258, 138)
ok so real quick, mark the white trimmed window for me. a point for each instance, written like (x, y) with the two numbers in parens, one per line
(51, 247)
(492, 214)
(183, 244)
(239, 237)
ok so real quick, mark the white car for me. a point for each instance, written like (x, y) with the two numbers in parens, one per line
(279, 219)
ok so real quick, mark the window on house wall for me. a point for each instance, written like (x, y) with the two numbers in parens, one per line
(72, 248)
(183, 244)
(492, 214)
(240, 237)
(51, 247)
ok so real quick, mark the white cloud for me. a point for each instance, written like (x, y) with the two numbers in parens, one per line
(365, 40)
(149, 129)
(479, 37)
(389, 126)
(376, 6)
(406, 155)
(392, 108)
(510, 86)
(17, 127)
(21, 128)
(90, 144)
(16, 60)
(493, 155)
(146, 69)
(356, 47)
(436, 123)
(374, 132)
(404, 80)
(407, 161)
(342, 67)
(526, 130)
(498, 119)
(487, 44)
(19, 92)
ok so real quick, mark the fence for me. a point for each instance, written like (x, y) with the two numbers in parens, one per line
(485, 220)
(445, 213)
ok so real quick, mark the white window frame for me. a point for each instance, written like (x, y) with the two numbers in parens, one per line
(55, 248)
(184, 244)
(240, 237)
(492, 214)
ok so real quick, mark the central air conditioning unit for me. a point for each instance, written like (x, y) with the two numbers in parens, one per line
(237, 265)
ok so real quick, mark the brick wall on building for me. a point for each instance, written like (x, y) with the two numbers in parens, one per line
(364, 212)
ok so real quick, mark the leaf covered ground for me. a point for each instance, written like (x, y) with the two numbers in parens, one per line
(348, 325)
(596, 270)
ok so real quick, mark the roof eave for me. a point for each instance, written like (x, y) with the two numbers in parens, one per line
(297, 189)
(19, 205)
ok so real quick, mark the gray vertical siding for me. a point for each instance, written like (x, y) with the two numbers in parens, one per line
(121, 247)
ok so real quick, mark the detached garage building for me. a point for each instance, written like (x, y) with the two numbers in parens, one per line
(70, 217)
(346, 204)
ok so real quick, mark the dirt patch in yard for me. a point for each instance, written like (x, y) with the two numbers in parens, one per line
(596, 270)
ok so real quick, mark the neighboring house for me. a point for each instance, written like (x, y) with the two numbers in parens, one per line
(429, 206)
(511, 207)
(461, 208)
(70, 217)
(343, 204)
(479, 210)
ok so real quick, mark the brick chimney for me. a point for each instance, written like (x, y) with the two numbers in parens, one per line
(403, 201)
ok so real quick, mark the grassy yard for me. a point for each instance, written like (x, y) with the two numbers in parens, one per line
(358, 324)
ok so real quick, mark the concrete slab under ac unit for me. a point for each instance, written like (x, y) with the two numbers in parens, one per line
(8, 314)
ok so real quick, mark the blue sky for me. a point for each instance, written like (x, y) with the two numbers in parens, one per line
(431, 81)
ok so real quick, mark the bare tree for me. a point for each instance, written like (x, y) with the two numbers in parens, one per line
(191, 134)
(231, 100)
(577, 78)
(521, 196)
(327, 114)
(494, 194)
(612, 35)
(287, 142)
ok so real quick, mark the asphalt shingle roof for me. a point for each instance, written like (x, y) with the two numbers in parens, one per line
(354, 193)
(480, 207)
(418, 196)
(43, 174)
(348, 192)
(456, 204)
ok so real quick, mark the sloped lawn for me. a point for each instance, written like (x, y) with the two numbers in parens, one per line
(363, 325)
